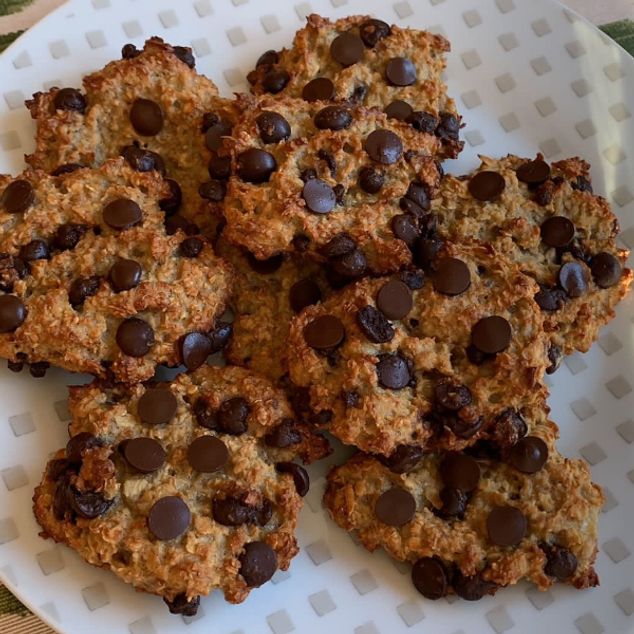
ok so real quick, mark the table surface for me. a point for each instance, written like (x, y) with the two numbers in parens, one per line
(14, 618)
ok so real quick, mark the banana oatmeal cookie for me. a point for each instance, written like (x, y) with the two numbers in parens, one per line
(90, 281)
(471, 524)
(180, 488)
(437, 360)
(154, 109)
(335, 182)
(362, 60)
(545, 218)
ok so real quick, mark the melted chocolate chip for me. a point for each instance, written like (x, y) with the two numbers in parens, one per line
(304, 292)
(268, 58)
(349, 266)
(232, 416)
(220, 336)
(34, 250)
(403, 459)
(213, 190)
(78, 444)
(561, 563)
(66, 168)
(67, 236)
(414, 279)
(215, 133)
(423, 121)
(339, 245)
(191, 247)
(284, 435)
(142, 160)
(130, 51)
(374, 325)
(471, 588)
(219, 167)
(550, 299)
(555, 357)
(182, 605)
(195, 348)
(275, 80)
(184, 53)
(452, 396)
(533, 172)
(454, 503)
(508, 428)
(88, 504)
(171, 204)
(83, 288)
(265, 267)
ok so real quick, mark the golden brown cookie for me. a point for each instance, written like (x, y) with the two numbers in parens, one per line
(92, 283)
(471, 524)
(545, 218)
(180, 488)
(362, 60)
(305, 174)
(154, 109)
(436, 360)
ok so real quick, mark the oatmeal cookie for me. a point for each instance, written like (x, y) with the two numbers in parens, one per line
(472, 524)
(90, 281)
(437, 360)
(363, 60)
(306, 173)
(267, 294)
(154, 109)
(545, 218)
(180, 488)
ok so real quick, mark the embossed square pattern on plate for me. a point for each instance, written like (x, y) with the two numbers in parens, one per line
(526, 75)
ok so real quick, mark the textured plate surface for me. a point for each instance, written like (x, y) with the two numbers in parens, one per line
(527, 76)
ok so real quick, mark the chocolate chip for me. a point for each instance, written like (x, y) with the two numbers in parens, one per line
(333, 118)
(68, 235)
(215, 133)
(258, 563)
(122, 213)
(207, 454)
(182, 605)
(326, 156)
(38, 369)
(307, 174)
(454, 503)
(89, 504)
(425, 251)
(169, 518)
(213, 191)
(78, 444)
(486, 185)
(371, 180)
(550, 299)
(324, 332)
(268, 58)
(184, 53)
(582, 184)
(83, 288)
(17, 197)
(339, 245)
(347, 49)
(171, 204)
(533, 172)
(273, 127)
(232, 416)
(605, 269)
(372, 31)
(529, 454)
(255, 166)
(374, 325)
(12, 269)
(129, 51)
(506, 526)
(383, 146)
(561, 563)
(508, 428)
(394, 299)
(265, 267)
(191, 247)
(157, 406)
(219, 167)
(395, 507)
(304, 292)
(573, 279)
(451, 276)
(300, 477)
(319, 196)
(142, 160)
(12, 313)
(414, 279)
(34, 250)
(124, 275)
(491, 334)
(400, 71)
(283, 435)
(144, 454)
(358, 96)
(555, 357)
(429, 577)
(219, 337)
(231, 511)
(318, 89)
(471, 588)
(452, 396)
(403, 459)
(146, 117)
(178, 223)
(204, 414)
(70, 99)
(423, 121)
(66, 168)
(275, 80)
(135, 337)
(399, 110)
(459, 471)
(350, 265)
(393, 371)
(464, 424)
(404, 228)
(544, 193)
(557, 231)
(449, 127)
(195, 348)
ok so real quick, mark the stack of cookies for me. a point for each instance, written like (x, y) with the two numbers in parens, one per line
(408, 313)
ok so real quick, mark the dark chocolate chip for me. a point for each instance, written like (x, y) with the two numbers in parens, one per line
(561, 563)
(258, 563)
(129, 51)
(471, 588)
(372, 31)
(358, 95)
(414, 279)
(220, 336)
(430, 578)
(135, 337)
(459, 471)
(423, 121)
(207, 454)
(144, 454)
(491, 334)
(319, 196)
(350, 265)
(213, 190)
(557, 231)
(486, 185)
(555, 357)
(273, 127)
(307, 174)
(404, 227)
(146, 117)
(339, 245)
(529, 454)
(191, 247)
(184, 53)
(17, 197)
(399, 110)
(394, 299)
(374, 325)
(454, 503)
(232, 511)
(38, 369)
(299, 474)
(70, 99)
(268, 58)
(66, 168)
(395, 507)
(451, 276)
(400, 71)
(12, 313)
(326, 156)
(573, 279)
(347, 49)
(125, 275)
(550, 299)
(403, 459)
(304, 292)
(449, 127)
(324, 332)
(452, 396)
(195, 348)
(215, 133)
(582, 184)
(89, 504)
(393, 371)
(463, 424)
(169, 518)
(78, 444)
(142, 160)
(318, 89)
(383, 146)
(605, 269)
(157, 406)
(533, 172)
(350, 398)
(275, 80)
(506, 526)
(232, 416)
(12, 269)
(34, 250)
(508, 428)
(425, 251)
(182, 605)
(333, 118)
(122, 213)
(265, 267)
(83, 288)
(68, 235)
(255, 165)
(219, 167)
(171, 204)
(204, 414)
(283, 435)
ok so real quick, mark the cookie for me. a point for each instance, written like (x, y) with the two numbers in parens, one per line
(362, 60)
(267, 294)
(154, 109)
(180, 488)
(471, 525)
(92, 283)
(328, 181)
(435, 360)
(545, 218)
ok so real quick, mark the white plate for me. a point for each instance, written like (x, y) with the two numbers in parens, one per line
(526, 76)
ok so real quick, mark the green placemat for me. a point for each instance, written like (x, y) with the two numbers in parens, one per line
(621, 32)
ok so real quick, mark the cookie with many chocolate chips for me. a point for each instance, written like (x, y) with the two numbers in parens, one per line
(333, 182)
(91, 282)
(152, 108)
(267, 294)
(436, 360)
(363, 60)
(471, 524)
(178, 488)
(545, 218)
